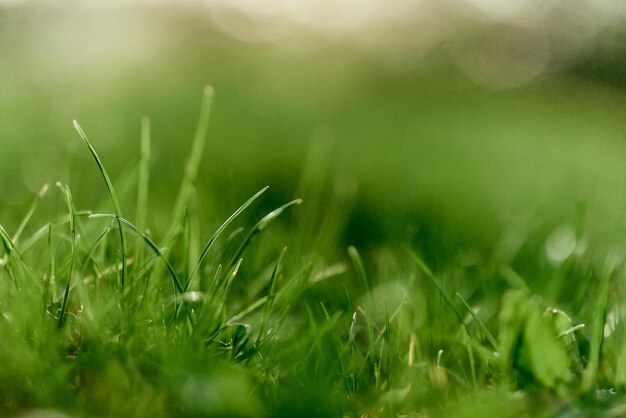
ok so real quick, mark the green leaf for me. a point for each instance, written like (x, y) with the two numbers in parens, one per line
(549, 361)
(531, 343)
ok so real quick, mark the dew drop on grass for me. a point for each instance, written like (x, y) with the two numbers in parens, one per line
(560, 245)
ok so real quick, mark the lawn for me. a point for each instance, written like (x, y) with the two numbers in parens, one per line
(195, 226)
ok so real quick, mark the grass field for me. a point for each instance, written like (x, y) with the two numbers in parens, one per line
(426, 247)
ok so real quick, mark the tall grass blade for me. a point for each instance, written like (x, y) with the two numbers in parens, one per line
(116, 204)
(185, 247)
(70, 274)
(143, 181)
(49, 281)
(193, 162)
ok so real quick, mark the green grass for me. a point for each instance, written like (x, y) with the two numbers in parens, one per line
(268, 314)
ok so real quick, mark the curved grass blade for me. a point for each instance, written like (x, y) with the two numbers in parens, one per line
(116, 204)
(260, 226)
(176, 281)
(360, 270)
(217, 233)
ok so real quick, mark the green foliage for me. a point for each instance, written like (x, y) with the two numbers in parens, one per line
(152, 323)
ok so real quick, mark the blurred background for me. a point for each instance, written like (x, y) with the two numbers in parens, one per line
(474, 121)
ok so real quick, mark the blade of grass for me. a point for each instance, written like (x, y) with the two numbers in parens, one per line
(30, 212)
(193, 162)
(143, 181)
(227, 284)
(596, 328)
(492, 340)
(6, 241)
(12, 250)
(360, 270)
(219, 231)
(116, 204)
(49, 281)
(424, 268)
(143, 270)
(365, 288)
(175, 280)
(195, 236)
(70, 274)
(222, 289)
(41, 232)
(185, 248)
(271, 295)
(248, 310)
(93, 247)
(260, 226)
(339, 350)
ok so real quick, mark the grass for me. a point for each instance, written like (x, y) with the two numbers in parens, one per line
(106, 316)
